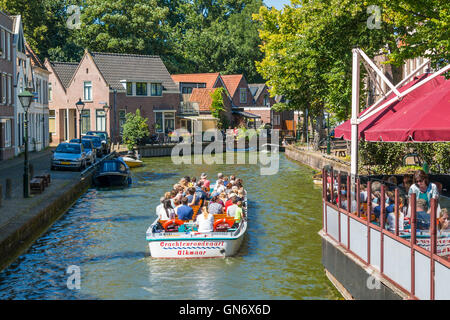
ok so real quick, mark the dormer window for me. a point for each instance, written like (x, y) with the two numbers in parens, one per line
(141, 88)
(242, 95)
(156, 89)
(129, 88)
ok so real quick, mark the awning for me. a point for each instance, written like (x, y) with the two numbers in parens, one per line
(422, 115)
(246, 114)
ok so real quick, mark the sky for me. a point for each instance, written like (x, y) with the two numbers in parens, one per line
(278, 4)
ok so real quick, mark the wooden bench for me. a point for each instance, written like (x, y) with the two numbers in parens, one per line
(46, 177)
(37, 184)
(340, 152)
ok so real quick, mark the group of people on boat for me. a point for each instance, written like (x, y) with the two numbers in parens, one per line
(417, 183)
(197, 200)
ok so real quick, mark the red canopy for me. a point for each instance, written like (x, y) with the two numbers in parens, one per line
(422, 115)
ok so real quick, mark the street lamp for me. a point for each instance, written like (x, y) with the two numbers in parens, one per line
(328, 134)
(106, 108)
(25, 99)
(80, 107)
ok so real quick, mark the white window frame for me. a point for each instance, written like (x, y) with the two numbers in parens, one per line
(52, 115)
(3, 42)
(146, 89)
(242, 93)
(50, 92)
(9, 80)
(8, 45)
(7, 133)
(3, 88)
(132, 89)
(158, 93)
(276, 120)
(87, 85)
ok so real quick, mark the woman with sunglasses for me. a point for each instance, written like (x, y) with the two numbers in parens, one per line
(424, 189)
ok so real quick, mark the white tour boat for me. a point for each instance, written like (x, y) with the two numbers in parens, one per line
(186, 242)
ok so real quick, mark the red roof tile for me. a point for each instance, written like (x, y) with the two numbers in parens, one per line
(208, 78)
(232, 82)
(203, 97)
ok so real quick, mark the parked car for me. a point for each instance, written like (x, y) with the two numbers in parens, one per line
(97, 142)
(103, 135)
(69, 155)
(91, 152)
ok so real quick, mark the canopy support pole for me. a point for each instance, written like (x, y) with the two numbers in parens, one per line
(354, 119)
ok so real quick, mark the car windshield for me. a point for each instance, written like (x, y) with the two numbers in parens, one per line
(101, 135)
(95, 141)
(68, 148)
(86, 143)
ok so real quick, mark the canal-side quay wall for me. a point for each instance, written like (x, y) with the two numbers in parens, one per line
(315, 160)
(21, 231)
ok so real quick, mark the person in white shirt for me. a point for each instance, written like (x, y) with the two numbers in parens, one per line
(205, 221)
(166, 212)
(160, 207)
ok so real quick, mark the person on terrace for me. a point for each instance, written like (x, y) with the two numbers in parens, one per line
(422, 217)
(424, 189)
(444, 223)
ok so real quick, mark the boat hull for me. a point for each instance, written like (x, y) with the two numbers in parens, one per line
(111, 180)
(197, 245)
(132, 163)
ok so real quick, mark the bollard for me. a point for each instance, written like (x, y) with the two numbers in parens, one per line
(8, 191)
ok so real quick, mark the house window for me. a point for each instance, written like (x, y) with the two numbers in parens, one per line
(187, 90)
(3, 89)
(8, 133)
(266, 100)
(156, 89)
(169, 122)
(100, 119)
(9, 90)
(242, 95)
(51, 121)
(141, 88)
(129, 88)
(87, 91)
(158, 121)
(122, 120)
(8, 45)
(85, 121)
(50, 92)
(276, 120)
(3, 42)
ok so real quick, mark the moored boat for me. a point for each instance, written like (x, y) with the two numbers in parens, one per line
(131, 162)
(114, 172)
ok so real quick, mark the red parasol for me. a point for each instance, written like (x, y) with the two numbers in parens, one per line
(422, 115)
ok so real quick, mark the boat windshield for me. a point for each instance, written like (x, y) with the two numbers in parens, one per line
(114, 166)
(68, 148)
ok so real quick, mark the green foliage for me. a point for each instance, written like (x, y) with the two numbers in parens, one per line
(218, 108)
(387, 158)
(135, 128)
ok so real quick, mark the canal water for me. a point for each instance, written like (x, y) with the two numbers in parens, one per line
(103, 236)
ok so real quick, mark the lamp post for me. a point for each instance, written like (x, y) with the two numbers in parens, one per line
(328, 134)
(25, 99)
(80, 107)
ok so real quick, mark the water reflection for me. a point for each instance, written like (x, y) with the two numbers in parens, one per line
(104, 234)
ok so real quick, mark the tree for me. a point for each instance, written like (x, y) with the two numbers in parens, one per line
(218, 108)
(134, 129)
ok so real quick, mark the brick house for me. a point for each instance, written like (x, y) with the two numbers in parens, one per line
(195, 104)
(7, 97)
(262, 107)
(122, 82)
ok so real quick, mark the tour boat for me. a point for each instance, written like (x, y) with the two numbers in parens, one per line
(185, 242)
(114, 172)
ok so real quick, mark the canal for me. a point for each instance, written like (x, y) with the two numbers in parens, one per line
(103, 234)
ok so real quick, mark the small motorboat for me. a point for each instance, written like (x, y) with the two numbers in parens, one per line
(132, 160)
(114, 172)
(317, 178)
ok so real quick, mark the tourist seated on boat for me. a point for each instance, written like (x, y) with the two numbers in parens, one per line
(424, 189)
(183, 183)
(218, 188)
(167, 195)
(240, 196)
(200, 193)
(231, 209)
(225, 181)
(219, 177)
(229, 202)
(223, 198)
(176, 204)
(160, 206)
(167, 212)
(205, 221)
(191, 196)
(422, 217)
(444, 223)
(232, 179)
(238, 214)
(215, 206)
(206, 182)
(184, 212)
(229, 189)
(193, 182)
